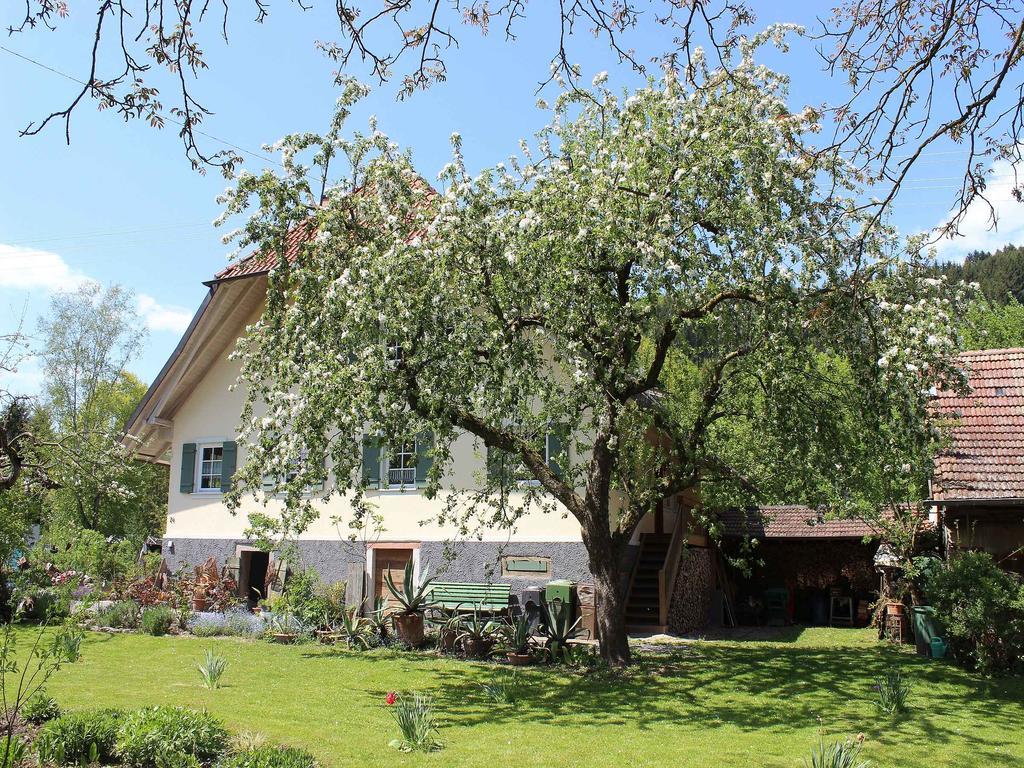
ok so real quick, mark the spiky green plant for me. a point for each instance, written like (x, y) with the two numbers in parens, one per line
(517, 634)
(478, 630)
(504, 688)
(414, 594)
(893, 692)
(212, 669)
(416, 722)
(355, 630)
(559, 629)
(838, 754)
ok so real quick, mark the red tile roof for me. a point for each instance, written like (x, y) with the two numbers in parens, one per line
(790, 521)
(986, 457)
(260, 264)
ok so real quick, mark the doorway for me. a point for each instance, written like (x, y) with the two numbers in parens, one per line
(393, 562)
(252, 575)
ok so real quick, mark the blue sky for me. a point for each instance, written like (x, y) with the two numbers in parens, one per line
(121, 203)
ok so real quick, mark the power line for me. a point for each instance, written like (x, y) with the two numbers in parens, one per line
(210, 136)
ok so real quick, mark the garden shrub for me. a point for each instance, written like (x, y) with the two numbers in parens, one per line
(238, 622)
(79, 738)
(40, 708)
(981, 608)
(157, 621)
(269, 757)
(208, 625)
(148, 737)
(124, 614)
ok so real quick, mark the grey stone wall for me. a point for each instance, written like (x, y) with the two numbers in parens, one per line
(480, 561)
(476, 561)
(331, 559)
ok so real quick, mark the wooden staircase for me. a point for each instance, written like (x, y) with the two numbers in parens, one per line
(643, 602)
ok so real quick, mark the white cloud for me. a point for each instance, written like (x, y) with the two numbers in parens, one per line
(31, 269)
(976, 230)
(163, 318)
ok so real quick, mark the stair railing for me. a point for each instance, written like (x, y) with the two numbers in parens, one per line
(667, 573)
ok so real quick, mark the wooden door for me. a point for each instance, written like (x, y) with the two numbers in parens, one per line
(393, 562)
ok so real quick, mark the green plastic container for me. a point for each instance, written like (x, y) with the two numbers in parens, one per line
(561, 589)
(926, 628)
(938, 648)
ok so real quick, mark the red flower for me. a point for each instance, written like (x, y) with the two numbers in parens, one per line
(391, 698)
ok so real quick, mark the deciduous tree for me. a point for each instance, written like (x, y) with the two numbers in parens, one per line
(546, 294)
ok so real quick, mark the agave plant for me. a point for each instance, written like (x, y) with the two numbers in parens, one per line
(377, 619)
(413, 595)
(559, 628)
(477, 633)
(517, 634)
(356, 630)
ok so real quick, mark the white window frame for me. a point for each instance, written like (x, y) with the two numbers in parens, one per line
(385, 468)
(200, 448)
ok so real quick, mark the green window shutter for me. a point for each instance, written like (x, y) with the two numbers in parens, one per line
(558, 450)
(424, 456)
(229, 460)
(188, 468)
(371, 461)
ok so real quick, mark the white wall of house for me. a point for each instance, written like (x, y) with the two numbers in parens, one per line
(211, 414)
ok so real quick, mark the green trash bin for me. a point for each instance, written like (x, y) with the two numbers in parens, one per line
(926, 628)
(561, 589)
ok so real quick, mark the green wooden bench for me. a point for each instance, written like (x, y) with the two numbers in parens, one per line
(455, 596)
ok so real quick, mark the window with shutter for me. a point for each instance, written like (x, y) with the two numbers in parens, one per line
(188, 468)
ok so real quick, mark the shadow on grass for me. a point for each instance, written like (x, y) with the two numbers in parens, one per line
(754, 688)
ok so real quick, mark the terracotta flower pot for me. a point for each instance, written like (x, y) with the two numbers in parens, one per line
(896, 609)
(446, 639)
(200, 603)
(409, 628)
(476, 647)
(519, 659)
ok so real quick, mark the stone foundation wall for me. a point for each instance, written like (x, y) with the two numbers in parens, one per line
(472, 561)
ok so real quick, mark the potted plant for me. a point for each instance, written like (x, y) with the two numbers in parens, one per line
(559, 629)
(355, 631)
(284, 627)
(477, 634)
(377, 620)
(200, 600)
(413, 602)
(517, 640)
(448, 627)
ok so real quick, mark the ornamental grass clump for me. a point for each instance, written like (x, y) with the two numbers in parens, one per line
(212, 669)
(416, 722)
(838, 754)
(893, 690)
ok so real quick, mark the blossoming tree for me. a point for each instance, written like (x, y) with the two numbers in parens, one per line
(548, 292)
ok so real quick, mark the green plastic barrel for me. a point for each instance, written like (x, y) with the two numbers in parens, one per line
(925, 628)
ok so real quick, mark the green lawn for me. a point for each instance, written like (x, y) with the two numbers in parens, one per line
(707, 703)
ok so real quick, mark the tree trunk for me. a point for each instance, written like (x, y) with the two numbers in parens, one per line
(606, 567)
